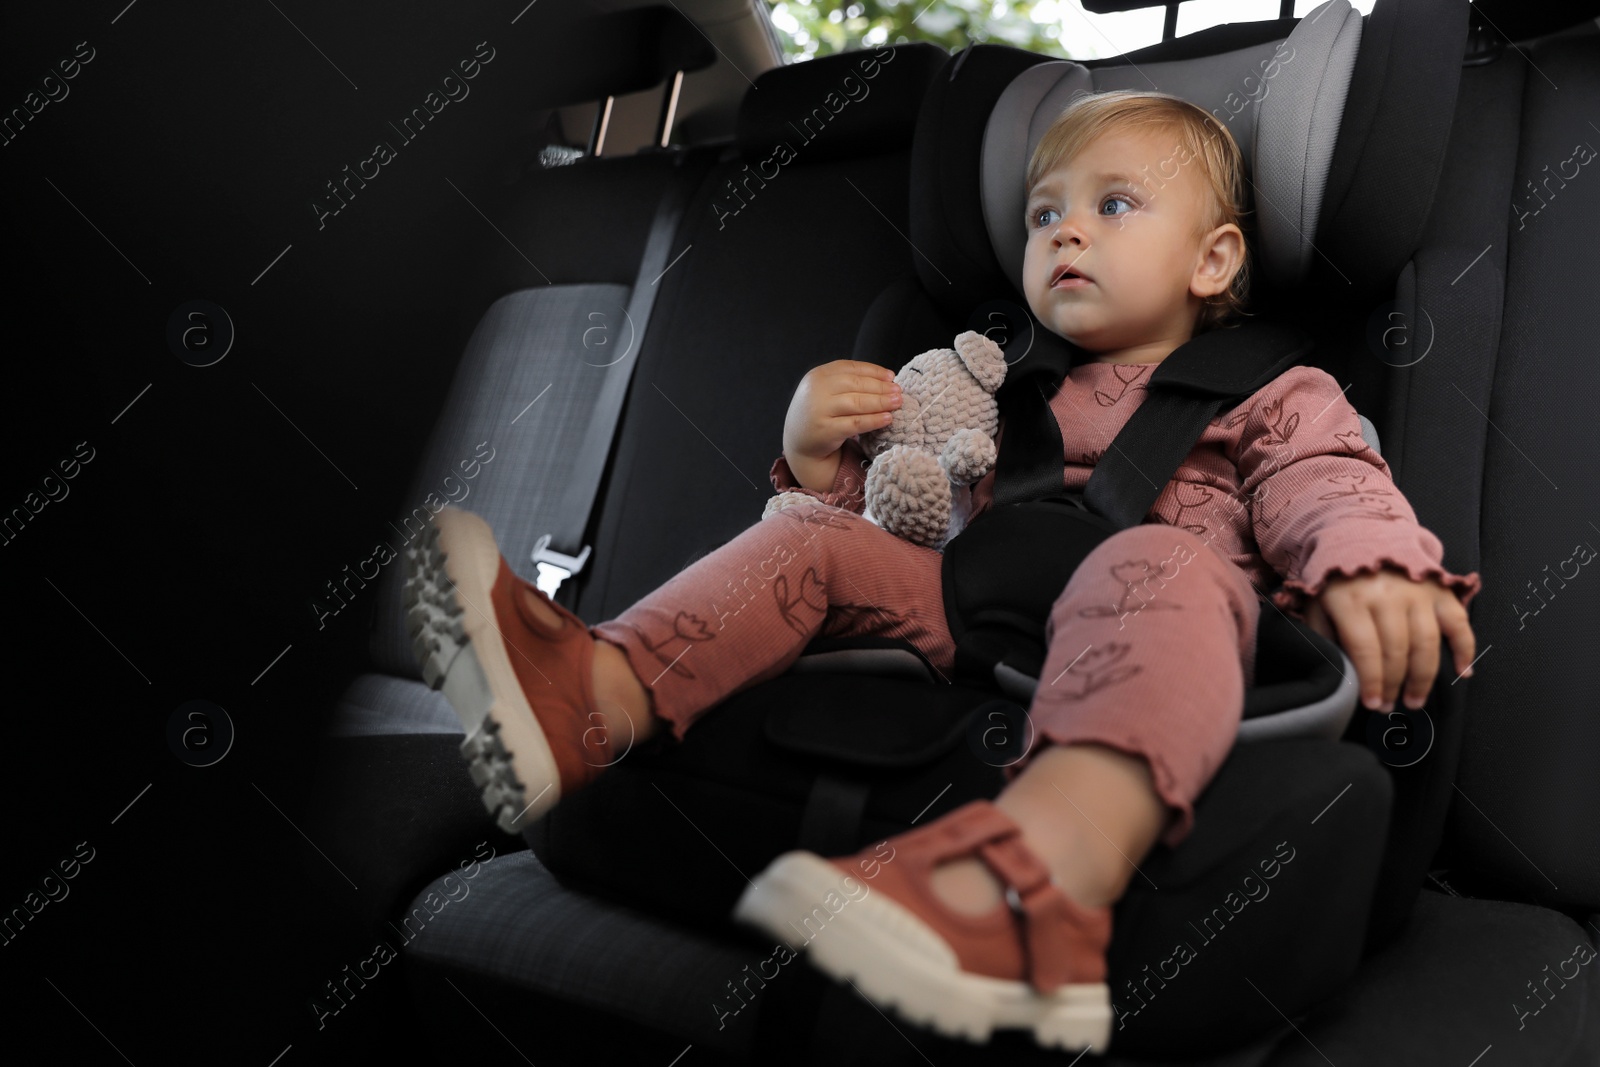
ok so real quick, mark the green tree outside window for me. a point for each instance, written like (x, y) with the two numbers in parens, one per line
(811, 28)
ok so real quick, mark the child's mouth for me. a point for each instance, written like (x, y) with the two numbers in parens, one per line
(1064, 277)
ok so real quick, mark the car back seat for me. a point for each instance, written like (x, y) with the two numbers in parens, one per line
(775, 276)
(1527, 798)
(782, 262)
(532, 371)
(535, 949)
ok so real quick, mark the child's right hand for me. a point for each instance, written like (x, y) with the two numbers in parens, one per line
(836, 401)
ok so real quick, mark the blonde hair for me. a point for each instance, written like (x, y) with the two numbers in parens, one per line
(1208, 141)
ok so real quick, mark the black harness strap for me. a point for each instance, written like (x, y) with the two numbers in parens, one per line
(1200, 378)
(1186, 391)
(1031, 451)
(831, 822)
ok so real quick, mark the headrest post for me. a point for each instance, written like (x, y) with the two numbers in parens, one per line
(602, 119)
(669, 108)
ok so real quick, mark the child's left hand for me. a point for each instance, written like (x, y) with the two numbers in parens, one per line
(1390, 626)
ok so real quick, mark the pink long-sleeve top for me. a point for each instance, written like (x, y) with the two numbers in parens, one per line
(1283, 484)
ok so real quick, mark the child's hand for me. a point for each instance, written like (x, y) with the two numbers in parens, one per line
(1389, 626)
(836, 401)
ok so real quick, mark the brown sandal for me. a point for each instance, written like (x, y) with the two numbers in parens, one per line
(522, 689)
(1036, 962)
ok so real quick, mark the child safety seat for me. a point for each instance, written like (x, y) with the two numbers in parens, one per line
(995, 607)
(859, 741)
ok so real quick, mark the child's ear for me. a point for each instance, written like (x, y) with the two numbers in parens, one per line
(1221, 256)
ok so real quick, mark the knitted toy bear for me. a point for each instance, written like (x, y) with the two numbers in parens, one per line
(940, 441)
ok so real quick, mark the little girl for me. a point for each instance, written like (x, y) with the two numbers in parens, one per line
(998, 913)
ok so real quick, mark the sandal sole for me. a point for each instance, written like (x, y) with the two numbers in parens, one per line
(450, 572)
(896, 960)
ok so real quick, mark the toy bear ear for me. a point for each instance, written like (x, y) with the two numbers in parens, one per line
(983, 358)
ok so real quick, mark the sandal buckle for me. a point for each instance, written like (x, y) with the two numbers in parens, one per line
(1014, 901)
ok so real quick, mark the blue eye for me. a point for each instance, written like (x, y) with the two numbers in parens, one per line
(1038, 218)
(1115, 200)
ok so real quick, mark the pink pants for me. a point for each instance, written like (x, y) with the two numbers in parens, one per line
(1151, 644)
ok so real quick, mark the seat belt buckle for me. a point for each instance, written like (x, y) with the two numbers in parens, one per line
(555, 567)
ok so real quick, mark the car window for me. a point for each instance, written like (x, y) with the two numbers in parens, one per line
(811, 28)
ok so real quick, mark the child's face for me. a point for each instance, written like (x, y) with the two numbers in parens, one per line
(1135, 235)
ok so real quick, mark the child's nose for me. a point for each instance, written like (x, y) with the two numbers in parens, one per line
(1068, 233)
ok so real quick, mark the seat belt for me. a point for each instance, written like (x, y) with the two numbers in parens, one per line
(562, 553)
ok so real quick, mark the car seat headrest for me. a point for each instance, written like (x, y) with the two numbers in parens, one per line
(579, 58)
(1281, 101)
(851, 103)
